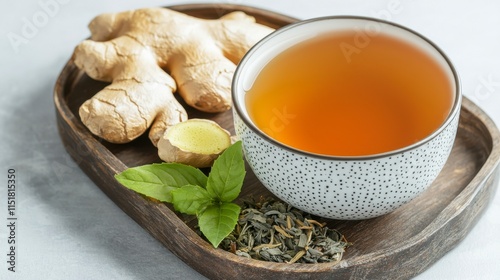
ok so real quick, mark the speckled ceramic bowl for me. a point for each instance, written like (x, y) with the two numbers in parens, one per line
(346, 187)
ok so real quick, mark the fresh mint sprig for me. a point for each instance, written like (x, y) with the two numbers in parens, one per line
(192, 192)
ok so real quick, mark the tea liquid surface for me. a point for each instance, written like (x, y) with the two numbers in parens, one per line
(329, 96)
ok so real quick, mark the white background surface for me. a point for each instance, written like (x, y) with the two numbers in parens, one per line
(68, 229)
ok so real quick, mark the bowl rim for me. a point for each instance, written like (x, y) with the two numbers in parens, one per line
(454, 112)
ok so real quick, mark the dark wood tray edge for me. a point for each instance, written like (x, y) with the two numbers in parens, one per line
(458, 218)
(479, 189)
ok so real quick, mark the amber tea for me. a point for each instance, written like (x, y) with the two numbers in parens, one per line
(329, 96)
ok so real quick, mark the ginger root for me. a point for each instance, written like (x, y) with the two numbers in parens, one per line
(147, 55)
(195, 142)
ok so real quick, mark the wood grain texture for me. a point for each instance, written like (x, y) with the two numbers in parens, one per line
(398, 245)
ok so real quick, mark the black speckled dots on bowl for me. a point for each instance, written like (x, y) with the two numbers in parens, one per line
(346, 189)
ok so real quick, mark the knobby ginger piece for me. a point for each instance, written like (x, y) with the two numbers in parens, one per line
(195, 142)
(147, 55)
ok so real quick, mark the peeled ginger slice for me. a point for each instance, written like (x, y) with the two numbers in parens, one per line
(195, 142)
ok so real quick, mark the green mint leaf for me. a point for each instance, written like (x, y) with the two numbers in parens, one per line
(227, 174)
(218, 221)
(190, 199)
(158, 180)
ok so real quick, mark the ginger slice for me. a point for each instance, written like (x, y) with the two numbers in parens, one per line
(195, 142)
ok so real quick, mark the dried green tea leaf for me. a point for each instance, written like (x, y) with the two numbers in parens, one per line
(275, 231)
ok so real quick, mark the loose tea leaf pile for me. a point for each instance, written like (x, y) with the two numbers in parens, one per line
(274, 231)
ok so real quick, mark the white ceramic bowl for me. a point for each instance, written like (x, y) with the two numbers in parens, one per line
(347, 188)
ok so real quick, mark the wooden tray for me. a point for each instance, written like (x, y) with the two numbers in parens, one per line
(396, 246)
